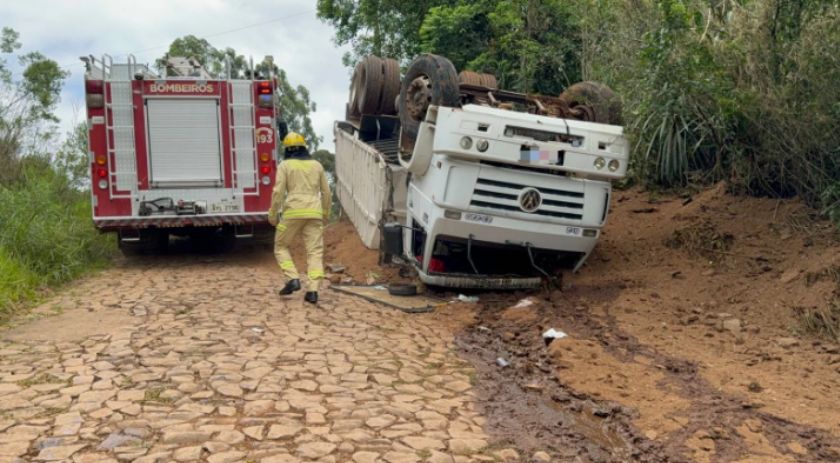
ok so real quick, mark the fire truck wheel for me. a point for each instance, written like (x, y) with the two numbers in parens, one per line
(151, 242)
(390, 86)
(430, 80)
(594, 102)
(368, 84)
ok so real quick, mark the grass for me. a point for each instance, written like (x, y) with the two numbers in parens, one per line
(46, 236)
(822, 323)
(43, 378)
(701, 239)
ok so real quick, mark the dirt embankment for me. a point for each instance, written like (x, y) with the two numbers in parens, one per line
(686, 338)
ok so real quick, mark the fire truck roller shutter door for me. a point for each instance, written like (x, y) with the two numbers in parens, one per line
(184, 141)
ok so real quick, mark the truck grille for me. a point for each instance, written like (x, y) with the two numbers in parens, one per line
(500, 195)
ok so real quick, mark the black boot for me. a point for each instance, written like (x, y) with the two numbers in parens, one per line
(291, 286)
(311, 297)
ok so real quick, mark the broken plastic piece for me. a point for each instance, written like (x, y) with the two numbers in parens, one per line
(464, 298)
(551, 334)
(502, 362)
(527, 302)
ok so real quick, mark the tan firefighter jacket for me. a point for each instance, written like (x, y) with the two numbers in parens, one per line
(300, 191)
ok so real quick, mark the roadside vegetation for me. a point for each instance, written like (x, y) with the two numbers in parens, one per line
(746, 91)
(46, 237)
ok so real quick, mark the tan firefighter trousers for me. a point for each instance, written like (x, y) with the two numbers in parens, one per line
(313, 241)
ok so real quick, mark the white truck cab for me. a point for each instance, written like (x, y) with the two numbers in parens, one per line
(487, 197)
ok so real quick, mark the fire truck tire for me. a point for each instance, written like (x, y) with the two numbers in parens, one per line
(368, 82)
(430, 80)
(151, 242)
(390, 86)
(598, 102)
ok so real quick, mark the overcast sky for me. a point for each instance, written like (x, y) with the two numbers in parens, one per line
(287, 29)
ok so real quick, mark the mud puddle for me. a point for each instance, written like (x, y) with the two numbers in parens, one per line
(531, 403)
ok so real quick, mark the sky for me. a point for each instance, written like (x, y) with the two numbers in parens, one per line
(301, 44)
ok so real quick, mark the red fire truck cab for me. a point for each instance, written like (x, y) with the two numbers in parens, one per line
(191, 154)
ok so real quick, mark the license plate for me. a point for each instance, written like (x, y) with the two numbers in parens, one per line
(574, 231)
(478, 218)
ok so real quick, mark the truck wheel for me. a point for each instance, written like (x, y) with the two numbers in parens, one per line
(489, 81)
(368, 84)
(470, 78)
(594, 102)
(151, 242)
(390, 86)
(430, 80)
(353, 101)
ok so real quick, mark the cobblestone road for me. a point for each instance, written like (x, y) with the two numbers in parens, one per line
(205, 363)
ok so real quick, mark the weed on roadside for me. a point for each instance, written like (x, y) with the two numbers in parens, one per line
(701, 240)
(154, 395)
(822, 322)
(43, 378)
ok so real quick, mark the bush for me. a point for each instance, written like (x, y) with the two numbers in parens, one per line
(46, 235)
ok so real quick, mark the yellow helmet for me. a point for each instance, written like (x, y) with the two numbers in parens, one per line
(294, 139)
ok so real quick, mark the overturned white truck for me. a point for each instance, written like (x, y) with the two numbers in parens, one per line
(474, 186)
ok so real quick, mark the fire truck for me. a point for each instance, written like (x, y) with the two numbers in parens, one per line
(182, 152)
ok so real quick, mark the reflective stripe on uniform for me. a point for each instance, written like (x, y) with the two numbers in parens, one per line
(287, 265)
(302, 214)
(315, 274)
(281, 227)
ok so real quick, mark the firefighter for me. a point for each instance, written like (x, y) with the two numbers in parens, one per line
(302, 195)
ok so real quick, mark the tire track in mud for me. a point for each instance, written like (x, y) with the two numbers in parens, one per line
(528, 405)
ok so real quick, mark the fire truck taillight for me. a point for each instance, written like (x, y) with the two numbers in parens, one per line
(100, 160)
(94, 94)
(264, 88)
(103, 184)
(265, 170)
(266, 180)
(265, 157)
(102, 172)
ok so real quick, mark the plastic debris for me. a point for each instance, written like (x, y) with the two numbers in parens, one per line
(502, 362)
(257, 330)
(483, 328)
(527, 302)
(551, 334)
(464, 298)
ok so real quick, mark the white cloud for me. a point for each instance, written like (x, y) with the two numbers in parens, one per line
(287, 29)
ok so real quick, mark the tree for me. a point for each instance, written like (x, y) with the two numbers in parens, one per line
(530, 45)
(388, 28)
(72, 157)
(26, 104)
(294, 102)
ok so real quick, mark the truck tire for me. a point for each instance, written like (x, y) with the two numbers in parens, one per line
(390, 86)
(594, 101)
(151, 242)
(399, 289)
(430, 80)
(489, 81)
(368, 84)
(353, 101)
(470, 78)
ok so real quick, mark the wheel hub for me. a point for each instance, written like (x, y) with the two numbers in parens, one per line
(418, 97)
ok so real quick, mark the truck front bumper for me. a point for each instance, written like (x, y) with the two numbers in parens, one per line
(478, 282)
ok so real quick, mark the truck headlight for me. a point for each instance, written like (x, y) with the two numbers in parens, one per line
(466, 143)
(613, 165)
(600, 163)
(482, 145)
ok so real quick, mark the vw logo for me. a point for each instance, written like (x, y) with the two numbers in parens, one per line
(530, 200)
